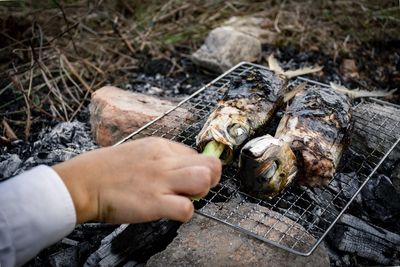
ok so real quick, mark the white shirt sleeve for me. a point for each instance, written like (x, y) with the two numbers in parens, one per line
(36, 210)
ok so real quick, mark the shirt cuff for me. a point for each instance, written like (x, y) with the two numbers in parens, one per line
(39, 211)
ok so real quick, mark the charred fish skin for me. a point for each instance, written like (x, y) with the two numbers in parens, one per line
(316, 125)
(307, 146)
(249, 102)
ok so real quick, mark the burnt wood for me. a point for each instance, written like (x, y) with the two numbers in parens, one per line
(354, 235)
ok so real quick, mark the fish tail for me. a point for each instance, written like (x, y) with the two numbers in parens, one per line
(357, 93)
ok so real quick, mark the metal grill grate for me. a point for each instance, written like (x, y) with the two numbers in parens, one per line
(299, 218)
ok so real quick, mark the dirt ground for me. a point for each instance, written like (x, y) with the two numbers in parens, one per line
(54, 54)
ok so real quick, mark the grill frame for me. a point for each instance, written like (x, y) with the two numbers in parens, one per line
(220, 83)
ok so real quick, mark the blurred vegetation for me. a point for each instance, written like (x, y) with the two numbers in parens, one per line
(54, 54)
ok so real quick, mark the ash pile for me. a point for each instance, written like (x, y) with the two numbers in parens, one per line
(54, 144)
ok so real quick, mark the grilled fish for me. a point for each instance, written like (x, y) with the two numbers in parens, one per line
(247, 105)
(307, 145)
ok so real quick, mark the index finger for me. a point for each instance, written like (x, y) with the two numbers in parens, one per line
(180, 148)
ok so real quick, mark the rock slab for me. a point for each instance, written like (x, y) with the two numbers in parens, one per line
(205, 242)
(116, 113)
(225, 47)
(258, 26)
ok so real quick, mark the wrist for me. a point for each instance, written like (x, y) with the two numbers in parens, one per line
(80, 190)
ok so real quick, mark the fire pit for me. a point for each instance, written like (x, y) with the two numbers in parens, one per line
(315, 209)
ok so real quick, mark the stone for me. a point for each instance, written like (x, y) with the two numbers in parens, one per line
(116, 113)
(205, 242)
(258, 26)
(349, 69)
(225, 47)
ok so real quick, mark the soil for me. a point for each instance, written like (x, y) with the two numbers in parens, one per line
(52, 56)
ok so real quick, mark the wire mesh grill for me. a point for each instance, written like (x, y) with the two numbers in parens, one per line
(300, 217)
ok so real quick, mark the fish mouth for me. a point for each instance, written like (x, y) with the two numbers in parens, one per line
(231, 135)
(267, 166)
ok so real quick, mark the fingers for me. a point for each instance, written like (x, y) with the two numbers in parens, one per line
(213, 164)
(192, 181)
(179, 148)
(176, 207)
(174, 147)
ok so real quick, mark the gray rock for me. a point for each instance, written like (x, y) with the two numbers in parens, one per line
(205, 242)
(258, 26)
(225, 47)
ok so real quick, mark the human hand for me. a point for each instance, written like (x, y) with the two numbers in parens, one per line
(142, 180)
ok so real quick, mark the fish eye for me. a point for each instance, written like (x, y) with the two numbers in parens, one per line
(270, 172)
(238, 132)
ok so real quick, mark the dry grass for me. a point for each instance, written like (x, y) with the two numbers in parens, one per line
(54, 55)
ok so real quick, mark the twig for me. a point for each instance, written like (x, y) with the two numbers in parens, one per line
(55, 91)
(66, 86)
(80, 106)
(67, 22)
(5, 88)
(122, 36)
(54, 110)
(12, 112)
(171, 13)
(88, 63)
(69, 77)
(276, 21)
(28, 119)
(75, 73)
(30, 77)
(10, 134)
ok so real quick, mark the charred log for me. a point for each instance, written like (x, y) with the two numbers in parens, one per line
(376, 129)
(354, 235)
(133, 243)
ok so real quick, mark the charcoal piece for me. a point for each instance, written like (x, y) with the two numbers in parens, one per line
(65, 257)
(345, 183)
(380, 200)
(9, 164)
(395, 176)
(376, 244)
(338, 258)
(324, 208)
(133, 242)
(71, 256)
(132, 263)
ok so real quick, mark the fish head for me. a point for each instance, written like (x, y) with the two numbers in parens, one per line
(226, 126)
(267, 165)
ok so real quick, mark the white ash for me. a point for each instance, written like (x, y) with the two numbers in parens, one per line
(54, 144)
